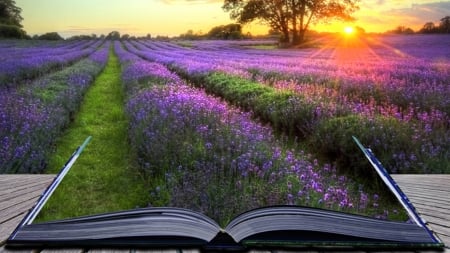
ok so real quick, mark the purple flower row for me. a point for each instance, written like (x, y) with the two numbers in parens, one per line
(374, 76)
(214, 158)
(20, 64)
(370, 80)
(32, 116)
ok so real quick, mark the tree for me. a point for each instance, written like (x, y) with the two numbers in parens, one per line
(428, 27)
(10, 13)
(50, 36)
(444, 26)
(12, 31)
(226, 32)
(359, 30)
(402, 30)
(114, 35)
(10, 20)
(290, 16)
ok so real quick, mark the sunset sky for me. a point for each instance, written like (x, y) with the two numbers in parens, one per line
(174, 17)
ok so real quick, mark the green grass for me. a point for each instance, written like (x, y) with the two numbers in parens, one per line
(103, 178)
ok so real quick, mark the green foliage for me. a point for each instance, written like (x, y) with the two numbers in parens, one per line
(55, 88)
(12, 31)
(114, 35)
(10, 13)
(50, 36)
(287, 112)
(226, 32)
(238, 91)
(385, 136)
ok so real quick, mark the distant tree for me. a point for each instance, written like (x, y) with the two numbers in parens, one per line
(226, 32)
(50, 36)
(114, 35)
(402, 30)
(444, 26)
(290, 16)
(408, 30)
(273, 32)
(83, 37)
(125, 37)
(191, 35)
(359, 30)
(428, 27)
(162, 38)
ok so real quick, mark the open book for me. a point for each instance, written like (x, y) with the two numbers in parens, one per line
(274, 226)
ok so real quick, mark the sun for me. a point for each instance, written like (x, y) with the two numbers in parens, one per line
(349, 30)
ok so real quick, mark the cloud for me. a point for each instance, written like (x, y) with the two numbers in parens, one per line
(419, 14)
(383, 15)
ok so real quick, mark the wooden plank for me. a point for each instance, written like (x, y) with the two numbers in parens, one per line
(18, 194)
(16, 198)
(19, 186)
(16, 210)
(8, 227)
(429, 195)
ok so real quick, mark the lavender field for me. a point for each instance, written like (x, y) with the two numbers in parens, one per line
(41, 88)
(216, 124)
(392, 92)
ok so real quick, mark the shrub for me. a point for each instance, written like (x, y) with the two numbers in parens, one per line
(50, 36)
(385, 136)
(12, 31)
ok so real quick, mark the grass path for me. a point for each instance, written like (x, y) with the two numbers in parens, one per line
(101, 180)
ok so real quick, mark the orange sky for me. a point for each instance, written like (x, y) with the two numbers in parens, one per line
(174, 17)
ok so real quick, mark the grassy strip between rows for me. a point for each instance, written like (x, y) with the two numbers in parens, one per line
(102, 179)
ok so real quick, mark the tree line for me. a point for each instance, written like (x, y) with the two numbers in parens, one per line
(443, 27)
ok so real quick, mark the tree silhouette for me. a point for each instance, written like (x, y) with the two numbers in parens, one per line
(50, 36)
(428, 27)
(226, 32)
(114, 35)
(10, 13)
(10, 20)
(444, 26)
(290, 16)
